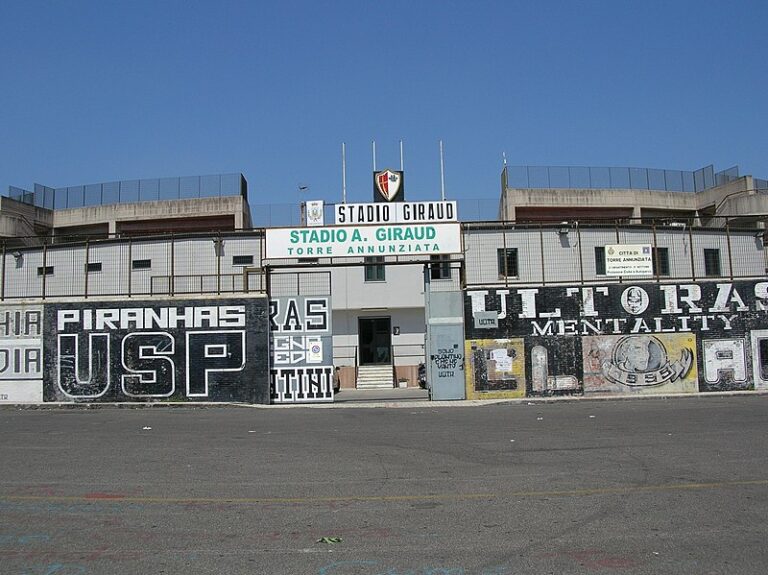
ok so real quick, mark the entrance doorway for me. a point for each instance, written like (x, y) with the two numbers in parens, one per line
(375, 340)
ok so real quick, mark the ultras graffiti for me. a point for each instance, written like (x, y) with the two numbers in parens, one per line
(301, 349)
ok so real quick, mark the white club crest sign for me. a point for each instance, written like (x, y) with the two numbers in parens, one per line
(388, 184)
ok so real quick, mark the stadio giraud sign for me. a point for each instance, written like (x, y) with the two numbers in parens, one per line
(365, 240)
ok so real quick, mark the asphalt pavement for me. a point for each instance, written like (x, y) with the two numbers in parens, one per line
(651, 486)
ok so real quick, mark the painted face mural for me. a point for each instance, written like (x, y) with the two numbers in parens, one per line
(640, 363)
(639, 354)
(634, 300)
(642, 360)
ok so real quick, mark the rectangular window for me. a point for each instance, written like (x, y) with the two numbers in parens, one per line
(600, 260)
(93, 267)
(242, 260)
(45, 271)
(374, 269)
(711, 262)
(439, 268)
(661, 261)
(507, 260)
(141, 264)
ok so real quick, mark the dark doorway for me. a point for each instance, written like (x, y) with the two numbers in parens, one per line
(375, 340)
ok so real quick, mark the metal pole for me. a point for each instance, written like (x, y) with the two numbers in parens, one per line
(173, 254)
(217, 249)
(442, 173)
(581, 258)
(402, 168)
(655, 250)
(2, 286)
(130, 265)
(45, 261)
(343, 173)
(87, 259)
(504, 254)
(690, 250)
(618, 241)
(730, 254)
(374, 155)
(541, 254)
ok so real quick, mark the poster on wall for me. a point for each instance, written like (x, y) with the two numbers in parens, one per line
(495, 367)
(21, 354)
(301, 349)
(180, 350)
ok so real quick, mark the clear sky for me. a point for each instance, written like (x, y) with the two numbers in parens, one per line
(109, 90)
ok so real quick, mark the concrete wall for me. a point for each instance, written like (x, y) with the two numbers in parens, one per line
(596, 198)
(113, 214)
(403, 287)
(631, 339)
(736, 198)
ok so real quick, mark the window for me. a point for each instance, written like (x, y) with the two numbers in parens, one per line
(711, 262)
(661, 261)
(93, 267)
(507, 260)
(440, 268)
(600, 260)
(242, 260)
(45, 271)
(141, 264)
(374, 269)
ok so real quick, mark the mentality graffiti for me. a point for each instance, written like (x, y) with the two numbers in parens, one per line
(643, 309)
(642, 360)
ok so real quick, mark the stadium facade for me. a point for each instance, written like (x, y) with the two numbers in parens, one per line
(166, 282)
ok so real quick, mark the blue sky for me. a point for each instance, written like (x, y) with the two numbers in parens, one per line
(102, 91)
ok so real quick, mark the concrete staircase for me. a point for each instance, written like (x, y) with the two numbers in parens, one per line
(375, 377)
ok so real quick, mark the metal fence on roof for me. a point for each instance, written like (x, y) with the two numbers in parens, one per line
(569, 177)
(127, 191)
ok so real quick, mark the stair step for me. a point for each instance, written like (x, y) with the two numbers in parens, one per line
(375, 377)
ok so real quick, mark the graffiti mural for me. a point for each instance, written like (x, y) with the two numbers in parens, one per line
(495, 365)
(760, 358)
(547, 360)
(192, 350)
(301, 349)
(21, 354)
(638, 338)
(641, 363)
